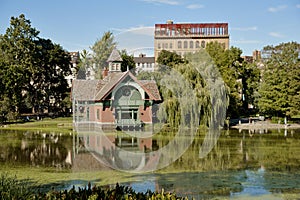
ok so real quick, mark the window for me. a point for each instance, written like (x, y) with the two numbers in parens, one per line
(171, 45)
(185, 44)
(158, 46)
(179, 45)
(191, 44)
(203, 44)
(197, 44)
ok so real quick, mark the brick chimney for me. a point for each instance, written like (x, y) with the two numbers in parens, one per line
(104, 72)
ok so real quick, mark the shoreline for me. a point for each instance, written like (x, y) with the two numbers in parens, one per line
(264, 125)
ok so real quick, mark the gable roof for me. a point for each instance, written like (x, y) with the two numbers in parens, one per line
(151, 88)
(97, 90)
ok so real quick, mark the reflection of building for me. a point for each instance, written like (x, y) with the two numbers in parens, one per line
(118, 100)
(144, 63)
(187, 37)
(116, 151)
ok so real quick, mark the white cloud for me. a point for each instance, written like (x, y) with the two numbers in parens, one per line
(276, 34)
(195, 6)
(252, 28)
(168, 2)
(298, 6)
(277, 8)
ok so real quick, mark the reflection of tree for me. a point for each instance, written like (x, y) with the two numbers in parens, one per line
(273, 151)
(46, 150)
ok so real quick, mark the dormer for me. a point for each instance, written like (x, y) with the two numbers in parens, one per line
(114, 61)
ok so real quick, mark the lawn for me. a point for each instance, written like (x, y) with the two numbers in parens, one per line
(62, 125)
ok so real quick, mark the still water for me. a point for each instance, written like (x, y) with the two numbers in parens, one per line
(242, 164)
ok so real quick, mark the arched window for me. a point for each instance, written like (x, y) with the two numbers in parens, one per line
(185, 44)
(191, 44)
(179, 45)
(197, 44)
(203, 44)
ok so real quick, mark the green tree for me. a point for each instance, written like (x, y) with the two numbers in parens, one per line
(230, 65)
(250, 74)
(17, 59)
(171, 106)
(128, 61)
(85, 64)
(48, 80)
(169, 59)
(32, 68)
(279, 89)
(102, 48)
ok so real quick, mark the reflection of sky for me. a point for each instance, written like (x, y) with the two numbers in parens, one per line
(253, 183)
(143, 186)
(143, 183)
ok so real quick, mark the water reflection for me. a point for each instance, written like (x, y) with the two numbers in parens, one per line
(241, 163)
(38, 149)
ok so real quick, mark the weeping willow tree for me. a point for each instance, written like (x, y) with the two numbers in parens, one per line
(202, 76)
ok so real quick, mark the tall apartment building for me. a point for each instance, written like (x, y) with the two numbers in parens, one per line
(188, 37)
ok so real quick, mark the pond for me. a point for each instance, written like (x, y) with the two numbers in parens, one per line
(241, 164)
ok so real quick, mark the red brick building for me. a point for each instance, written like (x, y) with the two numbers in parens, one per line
(119, 100)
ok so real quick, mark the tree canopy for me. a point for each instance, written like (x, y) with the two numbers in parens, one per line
(229, 63)
(128, 61)
(102, 48)
(279, 92)
(171, 107)
(169, 58)
(32, 69)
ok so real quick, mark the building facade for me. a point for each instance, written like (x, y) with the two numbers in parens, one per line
(144, 63)
(118, 100)
(188, 37)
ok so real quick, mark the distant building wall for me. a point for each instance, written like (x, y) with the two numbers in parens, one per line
(144, 63)
(186, 37)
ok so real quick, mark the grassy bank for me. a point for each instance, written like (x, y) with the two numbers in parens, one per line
(61, 125)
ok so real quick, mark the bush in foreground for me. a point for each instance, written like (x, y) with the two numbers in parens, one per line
(12, 188)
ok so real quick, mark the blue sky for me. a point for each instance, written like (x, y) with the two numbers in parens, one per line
(76, 25)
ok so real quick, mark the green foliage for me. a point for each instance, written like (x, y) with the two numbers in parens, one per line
(102, 48)
(230, 65)
(85, 62)
(128, 62)
(169, 59)
(279, 90)
(32, 68)
(171, 109)
(4, 109)
(250, 80)
(12, 188)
